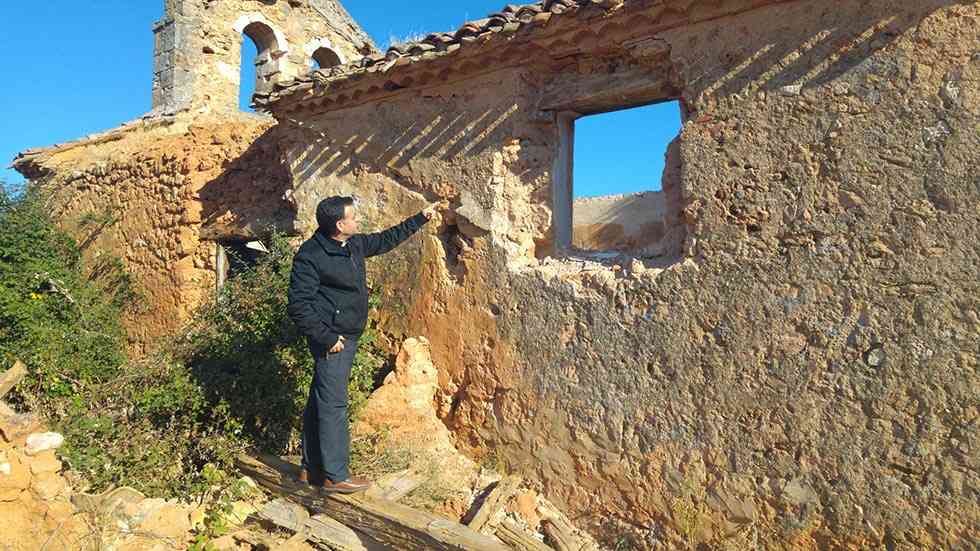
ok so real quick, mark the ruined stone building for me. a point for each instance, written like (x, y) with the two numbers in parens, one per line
(788, 339)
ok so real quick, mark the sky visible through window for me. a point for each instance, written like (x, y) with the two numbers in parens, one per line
(623, 151)
(249, 53)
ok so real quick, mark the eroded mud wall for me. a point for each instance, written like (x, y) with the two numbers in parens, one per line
(805, 372)
(159, 195)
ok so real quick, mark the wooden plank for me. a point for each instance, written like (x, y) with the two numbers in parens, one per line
(385, 521)
(560, 535)
(396, 485)
(514, 535)
(565, 537)
(602, 92)
(11, 377)
(323, 529)
(494, 502)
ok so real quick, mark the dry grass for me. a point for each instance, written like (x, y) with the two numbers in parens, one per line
(377, 455)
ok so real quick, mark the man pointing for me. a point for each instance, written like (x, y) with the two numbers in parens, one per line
(328, 301)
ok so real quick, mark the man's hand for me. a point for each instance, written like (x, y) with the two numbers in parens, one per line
(430, 211)
(339, 346)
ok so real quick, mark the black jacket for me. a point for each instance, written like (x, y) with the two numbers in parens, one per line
(328, 293)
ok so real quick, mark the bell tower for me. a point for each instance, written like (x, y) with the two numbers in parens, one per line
(197, 47)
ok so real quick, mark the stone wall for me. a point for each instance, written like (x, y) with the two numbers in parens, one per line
(143, 193)
(799, 371)
(34, 497)
(197, 52)
(804, 372)
(635, 223)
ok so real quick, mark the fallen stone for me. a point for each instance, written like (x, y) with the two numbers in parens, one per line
(16, 480)
(525, 505)
(113, 502)
(48, 486)
(14, 427)
(162, 519)
(286, 514)
(45, 463)
(42, 442)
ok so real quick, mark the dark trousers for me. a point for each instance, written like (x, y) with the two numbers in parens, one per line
(326, 434)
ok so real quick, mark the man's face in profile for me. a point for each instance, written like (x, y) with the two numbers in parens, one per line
(347, 226)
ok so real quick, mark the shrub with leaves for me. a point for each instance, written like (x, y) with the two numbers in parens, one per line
(249, 357)
(56, 314)
(145, 424)
(236, 377)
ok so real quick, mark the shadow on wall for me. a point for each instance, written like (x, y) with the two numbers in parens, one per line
(803, 57)
(252, 192)
(453, 132)
(250, 195)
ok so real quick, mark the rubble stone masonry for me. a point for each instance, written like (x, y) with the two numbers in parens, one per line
(197, 51)
(790, 363)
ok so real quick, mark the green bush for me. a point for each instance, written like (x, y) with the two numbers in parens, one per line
(236, 377)
(134, 423)
(56, 315)
(248, 355)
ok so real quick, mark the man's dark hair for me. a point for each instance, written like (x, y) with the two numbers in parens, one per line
(330, 211)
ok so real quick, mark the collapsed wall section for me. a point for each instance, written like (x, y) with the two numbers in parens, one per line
(161, 194)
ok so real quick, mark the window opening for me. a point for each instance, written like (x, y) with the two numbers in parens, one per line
(325, 57)
(248, 77)
(613, 188)
(234, 258)
(257, 65)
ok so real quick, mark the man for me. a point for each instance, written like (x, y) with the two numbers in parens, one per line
(328, 301)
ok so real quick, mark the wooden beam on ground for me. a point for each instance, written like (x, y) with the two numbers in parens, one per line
(318, 528)
(385, 521)
(482, 521)
(514, 535)
(564, 537)
(11, 377)
(325, 530)
(395, 486)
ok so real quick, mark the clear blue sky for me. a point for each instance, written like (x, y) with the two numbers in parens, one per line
(75, 68)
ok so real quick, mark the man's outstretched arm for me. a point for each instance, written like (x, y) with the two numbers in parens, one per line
(303, 284)
(379, 243)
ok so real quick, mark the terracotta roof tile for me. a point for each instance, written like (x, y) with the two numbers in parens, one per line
(435, 45)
